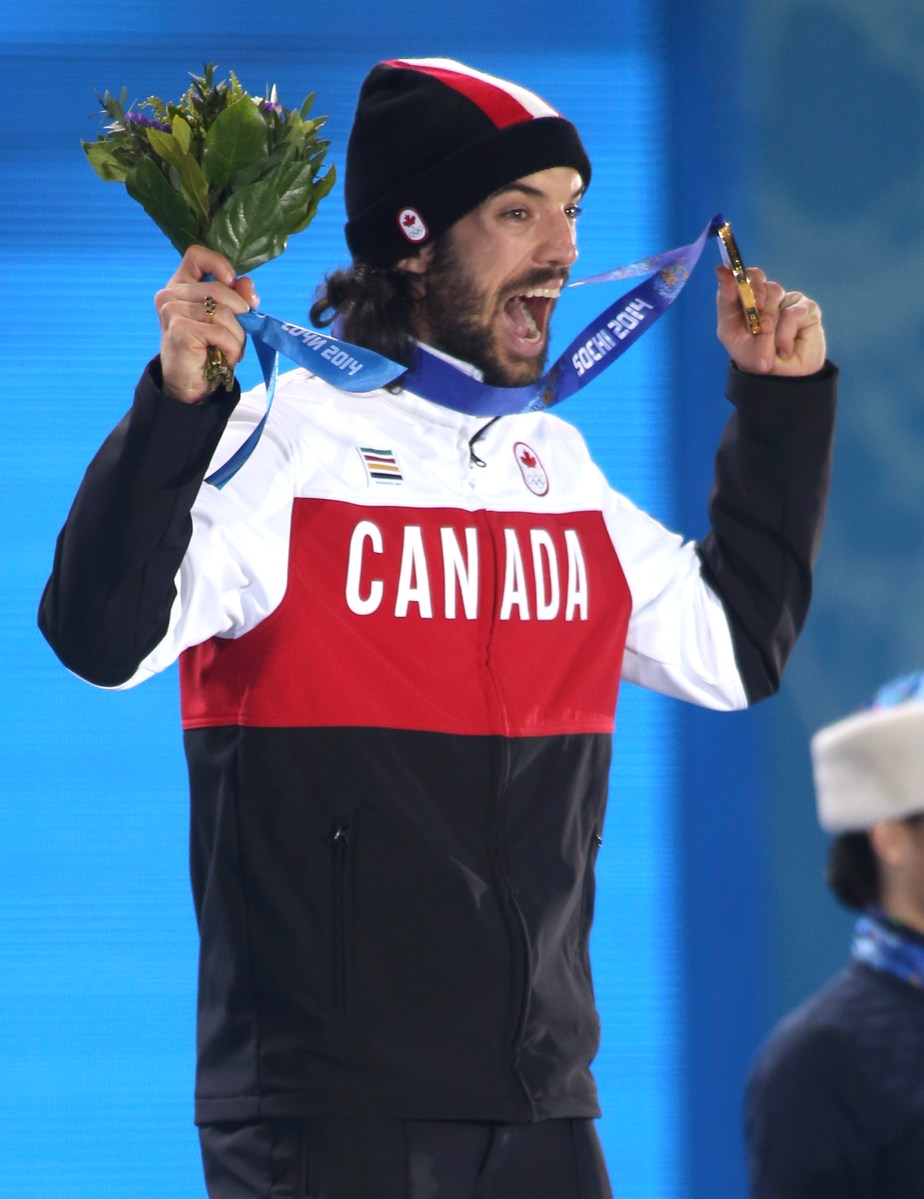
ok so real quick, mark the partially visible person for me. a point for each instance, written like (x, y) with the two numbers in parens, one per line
(835, 1101)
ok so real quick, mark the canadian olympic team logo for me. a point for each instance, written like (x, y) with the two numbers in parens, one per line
(531, 468)
(411, 224)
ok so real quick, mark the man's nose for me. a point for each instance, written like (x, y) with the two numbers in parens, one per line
(558, 246)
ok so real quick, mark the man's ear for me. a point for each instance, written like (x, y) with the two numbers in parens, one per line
(419, 262)
(889, 839)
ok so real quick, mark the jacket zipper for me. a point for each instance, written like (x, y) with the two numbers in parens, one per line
(513, 917)
(596, 841)
(518, 937)
(340, 842)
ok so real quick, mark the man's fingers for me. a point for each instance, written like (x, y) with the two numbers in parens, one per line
(234, 300)
(728, 288)
(245, 289)
(198, 312)
(199, 261)
(194, 325)
(797, 313)
(791, 340)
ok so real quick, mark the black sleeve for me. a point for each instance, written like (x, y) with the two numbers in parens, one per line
(108, 600)
(767, 510)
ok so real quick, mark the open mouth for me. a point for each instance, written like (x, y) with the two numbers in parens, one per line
(528, 313)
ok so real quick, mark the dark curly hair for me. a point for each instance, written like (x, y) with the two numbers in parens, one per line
(376, 306)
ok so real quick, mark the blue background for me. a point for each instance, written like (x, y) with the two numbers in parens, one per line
(803, 123)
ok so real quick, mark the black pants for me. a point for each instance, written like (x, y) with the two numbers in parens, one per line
(395, 1159)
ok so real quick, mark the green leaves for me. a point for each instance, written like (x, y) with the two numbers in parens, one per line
(236, 147)
(220, 167)
(146, 184)
(192, 183)
(105, 160)
(256, 222)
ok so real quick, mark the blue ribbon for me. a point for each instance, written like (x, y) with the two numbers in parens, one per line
(356, 369)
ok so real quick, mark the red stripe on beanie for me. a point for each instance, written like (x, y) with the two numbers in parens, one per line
(499, 106)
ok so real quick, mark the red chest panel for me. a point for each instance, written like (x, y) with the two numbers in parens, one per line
(432, 619)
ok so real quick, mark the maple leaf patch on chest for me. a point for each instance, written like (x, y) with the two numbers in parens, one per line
(531, 468)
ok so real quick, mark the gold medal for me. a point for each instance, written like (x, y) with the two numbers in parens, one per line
(731, 256)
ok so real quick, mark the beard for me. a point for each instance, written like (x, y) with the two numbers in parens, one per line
(454, 310)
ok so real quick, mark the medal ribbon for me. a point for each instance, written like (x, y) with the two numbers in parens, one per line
(353, 368)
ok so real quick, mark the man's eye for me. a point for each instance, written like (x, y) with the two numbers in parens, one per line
(515, 214)
(573, 211)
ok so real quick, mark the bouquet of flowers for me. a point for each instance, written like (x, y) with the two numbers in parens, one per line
(231, 171)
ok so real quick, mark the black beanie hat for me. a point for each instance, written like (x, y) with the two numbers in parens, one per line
(433, 138)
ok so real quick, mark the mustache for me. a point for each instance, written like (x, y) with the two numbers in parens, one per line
(537, 278)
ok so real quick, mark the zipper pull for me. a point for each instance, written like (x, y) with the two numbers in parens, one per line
(340, 834)
(473, 459)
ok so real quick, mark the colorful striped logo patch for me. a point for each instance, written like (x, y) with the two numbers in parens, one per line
(381, 465)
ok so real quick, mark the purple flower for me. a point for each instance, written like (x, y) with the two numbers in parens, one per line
(271, 103)
(139, 118)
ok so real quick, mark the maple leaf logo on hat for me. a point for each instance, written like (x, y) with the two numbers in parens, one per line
(411, 224)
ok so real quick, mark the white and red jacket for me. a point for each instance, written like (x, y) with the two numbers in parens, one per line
(401, 632)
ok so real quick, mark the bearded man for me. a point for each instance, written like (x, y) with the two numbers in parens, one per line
(401, 630)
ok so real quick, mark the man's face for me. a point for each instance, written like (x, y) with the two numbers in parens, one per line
(915, 871)
(493, 279)
(899, 847)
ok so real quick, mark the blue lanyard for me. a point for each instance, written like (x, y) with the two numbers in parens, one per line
(353, 368)
(885, 946)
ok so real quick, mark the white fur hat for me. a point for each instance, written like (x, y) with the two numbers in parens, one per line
(870, 766)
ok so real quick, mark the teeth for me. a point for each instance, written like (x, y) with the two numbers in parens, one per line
(545, 293)
(532, 328)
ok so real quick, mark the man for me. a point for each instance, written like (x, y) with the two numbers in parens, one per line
(835, 1102)
(401, 630)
